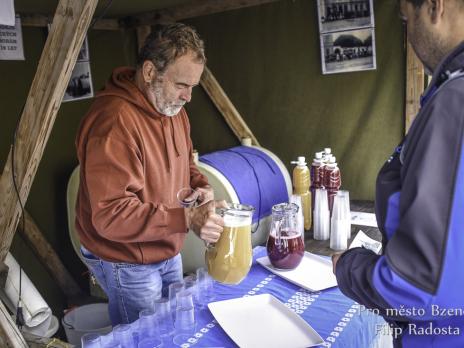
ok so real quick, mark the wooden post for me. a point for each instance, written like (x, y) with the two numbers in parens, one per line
(69, 27)
(414, 86)
(225, 107)
(142, 32)
(48, 257)
(9, 334)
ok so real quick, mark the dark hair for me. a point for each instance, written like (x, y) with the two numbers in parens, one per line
(168, 42)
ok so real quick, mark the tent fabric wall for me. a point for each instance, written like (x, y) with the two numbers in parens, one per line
(267, 59)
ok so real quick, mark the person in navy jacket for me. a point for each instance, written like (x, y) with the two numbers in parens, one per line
(417, 284)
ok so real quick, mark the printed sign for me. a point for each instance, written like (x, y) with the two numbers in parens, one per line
(11, 42)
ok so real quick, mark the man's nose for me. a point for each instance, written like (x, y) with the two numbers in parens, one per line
(186, 95)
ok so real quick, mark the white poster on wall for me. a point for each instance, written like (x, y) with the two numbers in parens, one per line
(11, 41)
(7, 13)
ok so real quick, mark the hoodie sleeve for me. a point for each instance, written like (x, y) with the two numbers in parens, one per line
(114, 175)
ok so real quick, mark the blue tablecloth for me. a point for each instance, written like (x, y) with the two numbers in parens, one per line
(338, 319)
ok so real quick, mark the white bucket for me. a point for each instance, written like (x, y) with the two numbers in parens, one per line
(88, 318)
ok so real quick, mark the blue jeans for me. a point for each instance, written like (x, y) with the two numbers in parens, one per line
(132, 287)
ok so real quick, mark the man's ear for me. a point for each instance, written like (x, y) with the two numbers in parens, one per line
(148, 71)
(435, 9)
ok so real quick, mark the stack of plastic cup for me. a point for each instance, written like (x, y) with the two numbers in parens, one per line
(185, 317)
(148, 324)
(164, 317)
(321, 215)
(190, 284)
(346, 196)
(205, 283)
(340, 223)
(174, 288)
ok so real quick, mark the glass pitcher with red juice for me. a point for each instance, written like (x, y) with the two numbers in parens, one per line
(285, 247)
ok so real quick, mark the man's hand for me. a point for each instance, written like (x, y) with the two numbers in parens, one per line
(335, 258)
(206, 194)
(205, 222)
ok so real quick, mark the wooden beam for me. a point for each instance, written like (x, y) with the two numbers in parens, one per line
(48, 257)
(142, 33)
(414, 86)
(9, 334)
(59, 55)
(192, 9)
(39, 20)
(225, 107)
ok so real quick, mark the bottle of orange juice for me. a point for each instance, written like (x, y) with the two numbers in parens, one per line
(301, 182)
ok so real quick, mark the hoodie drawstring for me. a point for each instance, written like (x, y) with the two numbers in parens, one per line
(166, 147)
(174, 138)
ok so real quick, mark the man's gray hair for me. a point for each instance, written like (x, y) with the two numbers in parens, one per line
(168, 42)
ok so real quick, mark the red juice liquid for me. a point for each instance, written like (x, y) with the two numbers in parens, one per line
(287, 251)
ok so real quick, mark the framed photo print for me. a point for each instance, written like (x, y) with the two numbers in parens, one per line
(80, 83)
(345, 51)
(84, 52)
(337, 15)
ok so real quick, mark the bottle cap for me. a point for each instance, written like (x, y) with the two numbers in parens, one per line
(301, 161)
(332, 161)
(327, 150)
(318, 155)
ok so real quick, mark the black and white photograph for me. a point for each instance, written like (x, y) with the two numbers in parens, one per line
(84, 52)
(80, 83)
(346, 51)
(335, 15)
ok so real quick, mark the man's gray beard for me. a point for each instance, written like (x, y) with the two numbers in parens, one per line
(171, 110)
(166, 110)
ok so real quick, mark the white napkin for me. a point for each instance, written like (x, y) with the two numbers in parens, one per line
(37, 313)
(7, 13)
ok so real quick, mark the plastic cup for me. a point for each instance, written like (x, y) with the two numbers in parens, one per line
(188, 197)
(123, 335)
(148, 324)
(185, 317)
(164, 317)
(91, 340)
(173, 289)
(205, 293)
(151, 342)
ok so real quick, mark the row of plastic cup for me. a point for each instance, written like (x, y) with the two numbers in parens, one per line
(170, 320)
(337, 227)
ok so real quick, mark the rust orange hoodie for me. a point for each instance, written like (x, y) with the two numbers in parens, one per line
(133, 160)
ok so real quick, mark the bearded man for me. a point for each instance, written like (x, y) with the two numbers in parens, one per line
(135, 154)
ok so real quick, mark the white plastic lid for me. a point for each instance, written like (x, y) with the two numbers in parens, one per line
(332, 160)
(318, 155)
(327, 150)
(300, 162)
